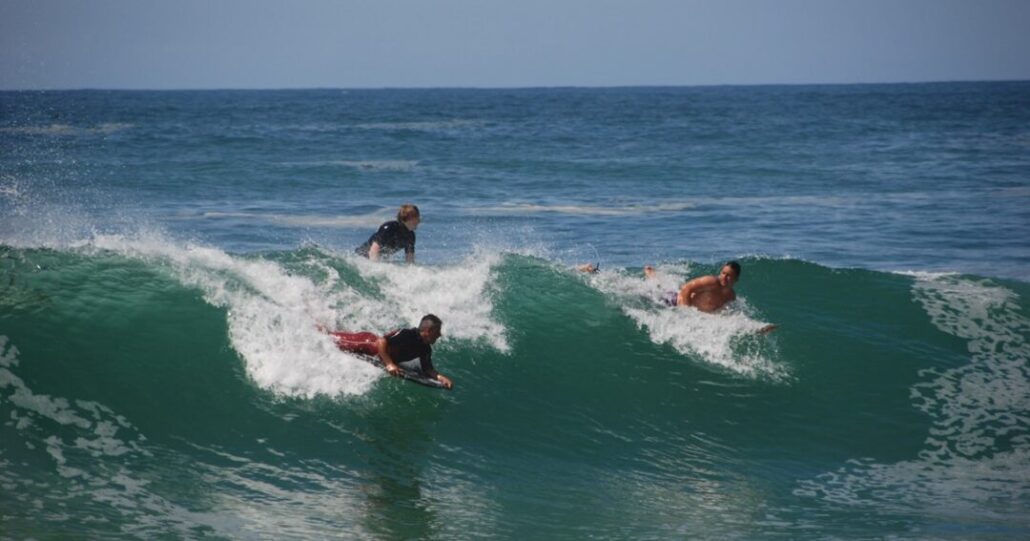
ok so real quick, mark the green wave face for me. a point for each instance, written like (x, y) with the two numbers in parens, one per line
(148, 388)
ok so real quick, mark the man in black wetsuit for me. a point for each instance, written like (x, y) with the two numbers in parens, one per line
(393, 236)
(399, 346)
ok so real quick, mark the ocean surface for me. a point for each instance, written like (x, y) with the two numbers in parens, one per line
(166, 258)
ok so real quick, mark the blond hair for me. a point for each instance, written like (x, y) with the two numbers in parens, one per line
(408, 212)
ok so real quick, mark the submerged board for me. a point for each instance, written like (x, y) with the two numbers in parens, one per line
(411, 375)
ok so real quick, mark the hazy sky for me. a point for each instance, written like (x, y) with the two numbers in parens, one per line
(483, 43)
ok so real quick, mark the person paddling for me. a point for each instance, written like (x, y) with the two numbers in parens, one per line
(398, 346)
(393, 236)
(707, 293)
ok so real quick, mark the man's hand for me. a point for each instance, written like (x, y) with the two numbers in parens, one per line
(393, 369)
(447, 383)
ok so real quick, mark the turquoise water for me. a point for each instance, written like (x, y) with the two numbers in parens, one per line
(165, 257)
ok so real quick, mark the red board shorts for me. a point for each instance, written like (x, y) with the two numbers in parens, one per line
(357, 342)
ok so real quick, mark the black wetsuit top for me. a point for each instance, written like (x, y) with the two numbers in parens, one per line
(404, 345)
(391, 236)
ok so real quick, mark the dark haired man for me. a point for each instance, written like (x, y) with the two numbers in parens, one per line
(398, 346)
(706, 293)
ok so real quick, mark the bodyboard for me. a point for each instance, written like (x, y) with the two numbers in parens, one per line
(415, 376)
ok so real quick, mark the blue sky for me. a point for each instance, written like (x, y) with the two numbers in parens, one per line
(481, 43)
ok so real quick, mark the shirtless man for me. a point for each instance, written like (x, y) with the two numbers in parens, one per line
(706, 293)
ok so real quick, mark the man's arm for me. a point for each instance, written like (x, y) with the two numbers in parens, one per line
(384, 354)
(409, 248)
(695, 286)
(426, 363)
(373, 251)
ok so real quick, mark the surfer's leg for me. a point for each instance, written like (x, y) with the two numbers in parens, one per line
(356, 342)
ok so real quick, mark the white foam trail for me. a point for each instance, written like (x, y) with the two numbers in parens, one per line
(976, 454)
(726, 339)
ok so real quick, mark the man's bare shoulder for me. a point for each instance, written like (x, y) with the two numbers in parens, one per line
(703, 281)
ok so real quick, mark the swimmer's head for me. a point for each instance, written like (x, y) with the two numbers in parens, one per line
(730, 273)
(409, 216)
(430, 328)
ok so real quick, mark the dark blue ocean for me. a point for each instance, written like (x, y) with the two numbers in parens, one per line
(165, 258)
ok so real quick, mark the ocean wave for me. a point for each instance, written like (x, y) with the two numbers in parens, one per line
(273, 311)
(272, 315)
(976, 451)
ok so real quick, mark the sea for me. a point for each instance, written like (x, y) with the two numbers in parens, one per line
(169, 258)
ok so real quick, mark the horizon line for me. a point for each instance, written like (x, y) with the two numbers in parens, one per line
(475, 87)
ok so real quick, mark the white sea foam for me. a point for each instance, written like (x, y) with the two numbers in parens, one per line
(976, 452)
(725, 339)
(461, 295)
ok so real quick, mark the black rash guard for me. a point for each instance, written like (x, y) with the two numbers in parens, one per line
(404, 345)
(391, 236)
